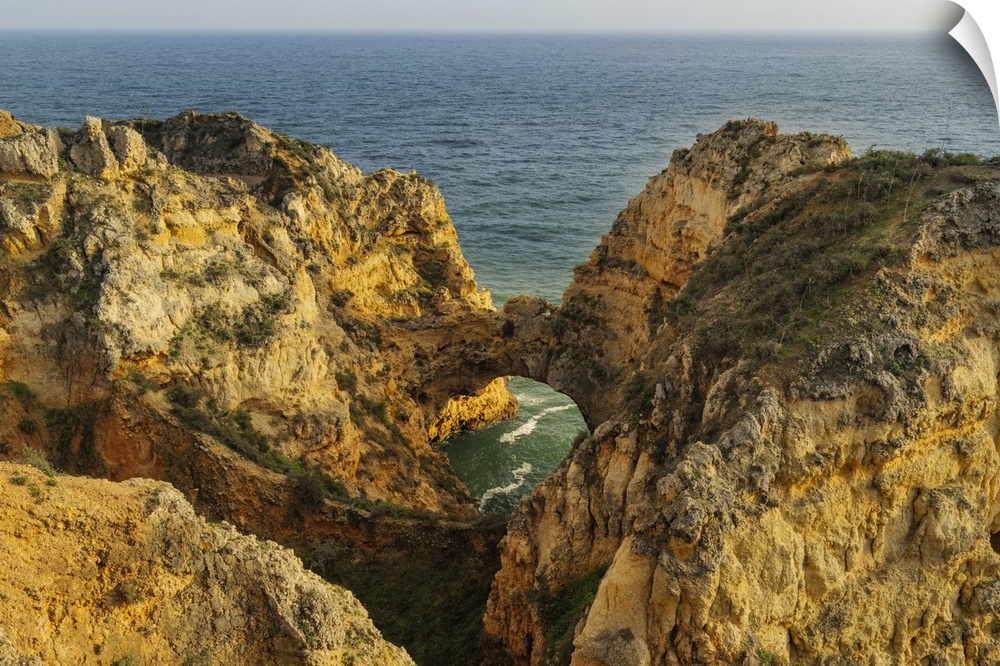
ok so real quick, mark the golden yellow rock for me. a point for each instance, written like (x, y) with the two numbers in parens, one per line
(98, 572)
(239, 271)
(801, 466)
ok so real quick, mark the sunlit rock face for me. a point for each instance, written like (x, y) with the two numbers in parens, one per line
(793, 387)
(205, 268)
(100, 572)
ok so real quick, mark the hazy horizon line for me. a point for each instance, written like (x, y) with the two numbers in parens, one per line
(457, 32)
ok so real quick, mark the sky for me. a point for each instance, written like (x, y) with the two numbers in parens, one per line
(478, 15)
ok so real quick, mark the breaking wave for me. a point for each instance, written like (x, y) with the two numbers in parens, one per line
(529, 426)
(519, 475)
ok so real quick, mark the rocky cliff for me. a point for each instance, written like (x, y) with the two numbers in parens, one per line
(801, 462)
(281, 337)
(125, 573)
(255, 290)
(788, 358)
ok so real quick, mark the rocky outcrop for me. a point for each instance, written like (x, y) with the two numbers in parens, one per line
(117, 152)
(27, 151)
(801, 465)
(788, 358)
(99, 572)
(587, 347)
(255, 287)
(492, 404)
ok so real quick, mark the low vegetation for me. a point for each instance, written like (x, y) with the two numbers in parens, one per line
(788, 265)
(563, 609)
(234, 429)
(73, 439)
(426, 591)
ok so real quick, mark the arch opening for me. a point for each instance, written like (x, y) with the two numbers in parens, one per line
(502, 462)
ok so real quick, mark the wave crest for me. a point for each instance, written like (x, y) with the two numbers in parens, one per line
(529, 426)
(519, 475)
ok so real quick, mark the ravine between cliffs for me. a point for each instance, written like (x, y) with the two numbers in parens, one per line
(787, 357)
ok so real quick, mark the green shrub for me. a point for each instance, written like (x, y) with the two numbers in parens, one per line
(766, 658)
(218, 271)
(938, 157)
(127, 660)
(638, 394)
(37, 492)
(560, 612)
(128, 592)
(22, 392)
(340, 297)
(233, 429)
(313, 485)
(347, 380)
(36, 459)
(182, 396)
(143, 383)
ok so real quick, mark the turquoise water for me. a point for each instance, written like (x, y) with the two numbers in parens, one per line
(504, 461)
(536, 141)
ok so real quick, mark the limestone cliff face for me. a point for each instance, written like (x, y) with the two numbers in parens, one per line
(802, 465)
(788, 358)
(270, 290)
(97, 572)
(604, 327)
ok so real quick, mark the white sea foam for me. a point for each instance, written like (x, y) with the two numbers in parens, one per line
(529, 426)
(519, 475)
(527, 400)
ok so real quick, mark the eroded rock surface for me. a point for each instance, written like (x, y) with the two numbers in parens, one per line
(788, 358)
(97, 572)
(257, 288)
(802, 463)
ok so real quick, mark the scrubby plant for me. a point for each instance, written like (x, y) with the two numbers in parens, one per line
(561, 611)
(22, 392)
(313, 485)
(127, 660)
(347, 380)
(766, 657)
(37, 459)
(128, 592)
(142, 383)
(234, 429)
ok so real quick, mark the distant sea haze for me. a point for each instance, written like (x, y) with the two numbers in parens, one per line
(536, 141)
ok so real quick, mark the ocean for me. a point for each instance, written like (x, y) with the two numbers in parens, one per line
(536, 141)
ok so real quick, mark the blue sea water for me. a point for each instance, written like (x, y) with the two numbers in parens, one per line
(536, 141)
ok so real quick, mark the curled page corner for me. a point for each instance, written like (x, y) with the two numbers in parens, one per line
(977, 43)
